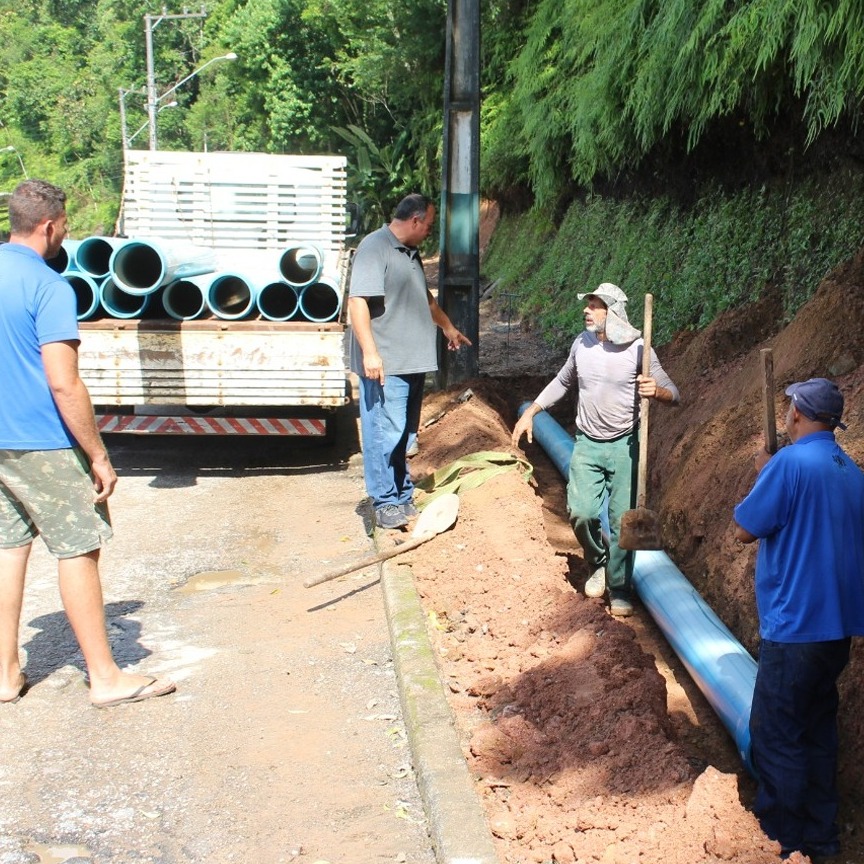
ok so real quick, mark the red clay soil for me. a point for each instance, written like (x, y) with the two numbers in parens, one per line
(587, 740)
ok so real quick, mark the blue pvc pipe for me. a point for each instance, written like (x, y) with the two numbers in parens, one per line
(277, 301)
(321, 301)
(121, 304)
(143, 266)
(87, 298)
(93, 255)
(722, 669)
(183, 299)
(229, 296)
(301, 265)
(64, 260)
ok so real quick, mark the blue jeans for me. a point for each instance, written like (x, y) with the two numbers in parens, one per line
(793, 734)
(598, 469)
(388, 415)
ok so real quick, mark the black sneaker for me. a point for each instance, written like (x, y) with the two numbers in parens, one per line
(409, 509)
(390, 516)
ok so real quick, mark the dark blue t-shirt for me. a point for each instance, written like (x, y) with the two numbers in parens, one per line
(37, 306)
(807, 509)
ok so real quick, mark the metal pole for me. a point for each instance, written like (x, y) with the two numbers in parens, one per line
(459, 271)
(151, 78)
(151, 22)
(124, 138)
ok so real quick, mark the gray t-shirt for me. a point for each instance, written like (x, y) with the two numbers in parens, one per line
(390, 275)
(605, 375)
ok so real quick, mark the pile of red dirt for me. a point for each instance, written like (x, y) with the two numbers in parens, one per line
(586, 738)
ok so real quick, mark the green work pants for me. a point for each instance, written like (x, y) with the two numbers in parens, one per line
(599, 469)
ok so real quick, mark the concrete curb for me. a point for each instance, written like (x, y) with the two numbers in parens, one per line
(457, 824)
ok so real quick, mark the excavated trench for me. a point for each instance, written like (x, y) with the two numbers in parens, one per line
(587, 738)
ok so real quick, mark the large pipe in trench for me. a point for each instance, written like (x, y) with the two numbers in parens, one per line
(722, 669)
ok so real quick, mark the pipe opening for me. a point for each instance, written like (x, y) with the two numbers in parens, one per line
(94, 256)
(300, 265)
(86, 295)
(183, 300)
(278, 301)
(60, 262)
(121, 304)
(137, 267)
(230, 297)
(319, 302)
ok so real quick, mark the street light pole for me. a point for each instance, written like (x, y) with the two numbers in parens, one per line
(146, 123)
(123, 92)
(151, 22)
(229, 56)
(151, 78)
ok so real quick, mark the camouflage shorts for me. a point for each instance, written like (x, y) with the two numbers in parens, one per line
(50, 492)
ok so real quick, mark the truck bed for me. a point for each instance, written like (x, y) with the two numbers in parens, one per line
(213, 363)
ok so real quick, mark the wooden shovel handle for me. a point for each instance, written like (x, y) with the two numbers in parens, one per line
(368, 561)
(642, 470)
(769, 418)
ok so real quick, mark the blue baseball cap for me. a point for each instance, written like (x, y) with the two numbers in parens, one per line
(818, 399)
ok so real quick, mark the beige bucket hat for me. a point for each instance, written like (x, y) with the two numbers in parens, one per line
(619, 331)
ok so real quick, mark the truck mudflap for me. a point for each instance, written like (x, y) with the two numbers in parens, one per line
(202, 425)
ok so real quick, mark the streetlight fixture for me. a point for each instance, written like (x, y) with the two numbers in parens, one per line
(128, 141)
(153, 100)
(11, 149)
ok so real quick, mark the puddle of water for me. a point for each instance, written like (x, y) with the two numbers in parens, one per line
(59, 854)
(208, 580)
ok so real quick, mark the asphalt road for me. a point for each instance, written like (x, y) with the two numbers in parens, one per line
(284, 741)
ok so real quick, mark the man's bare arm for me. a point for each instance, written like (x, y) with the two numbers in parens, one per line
(60, 360)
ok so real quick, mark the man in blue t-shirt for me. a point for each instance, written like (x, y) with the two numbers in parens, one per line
(807, 510)
(55, 475)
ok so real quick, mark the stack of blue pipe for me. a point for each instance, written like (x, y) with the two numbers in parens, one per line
(135, 278)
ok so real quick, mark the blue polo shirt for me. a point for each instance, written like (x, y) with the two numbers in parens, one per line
(807, 509)
(37, 306)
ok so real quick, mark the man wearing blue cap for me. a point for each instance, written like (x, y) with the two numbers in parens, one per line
(807, 510)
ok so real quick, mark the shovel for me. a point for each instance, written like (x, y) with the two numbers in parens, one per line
(640, 528)
(438, 516)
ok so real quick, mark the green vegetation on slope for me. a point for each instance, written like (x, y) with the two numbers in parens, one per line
(725, 250)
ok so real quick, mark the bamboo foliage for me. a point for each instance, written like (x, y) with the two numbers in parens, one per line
(599, 83)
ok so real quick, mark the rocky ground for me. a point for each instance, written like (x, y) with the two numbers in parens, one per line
(585, 735)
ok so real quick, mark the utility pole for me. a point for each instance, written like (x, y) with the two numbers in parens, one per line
(459, 271)
(151, 22)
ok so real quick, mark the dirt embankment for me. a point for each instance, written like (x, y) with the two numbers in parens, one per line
(702, 453)
(585, 735)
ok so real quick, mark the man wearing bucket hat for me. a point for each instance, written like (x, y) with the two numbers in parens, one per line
(806, 509)
(604, 364)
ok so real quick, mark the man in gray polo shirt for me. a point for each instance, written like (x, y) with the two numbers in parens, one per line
(604, 364)
(393, 319)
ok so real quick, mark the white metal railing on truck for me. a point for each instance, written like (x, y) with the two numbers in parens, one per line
(235, 200)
